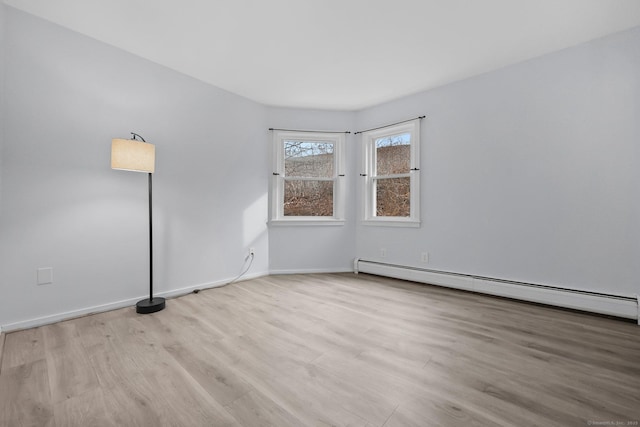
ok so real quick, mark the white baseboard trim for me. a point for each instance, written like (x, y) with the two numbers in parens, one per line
(312, 271)
(186, 290)
(613, 305)
(58, 317)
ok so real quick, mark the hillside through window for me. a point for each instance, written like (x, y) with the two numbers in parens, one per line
(307, 186)
(391, 181)
(308, 178)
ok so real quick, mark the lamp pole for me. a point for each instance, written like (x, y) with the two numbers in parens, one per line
(150, 238)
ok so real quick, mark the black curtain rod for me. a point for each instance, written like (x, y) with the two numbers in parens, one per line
(392, 124)
(314, 131)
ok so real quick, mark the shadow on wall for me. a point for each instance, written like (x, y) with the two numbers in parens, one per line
(254, 220)
(207, 241)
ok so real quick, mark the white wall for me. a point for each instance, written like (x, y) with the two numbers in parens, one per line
(2, 97)
(316, 248)
(529, 173)
(63, 207)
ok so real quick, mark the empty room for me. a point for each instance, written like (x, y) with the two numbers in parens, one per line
(319, 213)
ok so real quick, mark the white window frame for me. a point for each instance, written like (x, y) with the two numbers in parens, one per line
(368, 207)
(277, 216)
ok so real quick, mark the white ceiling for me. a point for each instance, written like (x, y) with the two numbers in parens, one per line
(336, 54)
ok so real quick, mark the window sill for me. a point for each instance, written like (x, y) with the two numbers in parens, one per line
(306, 222)
(391, 223)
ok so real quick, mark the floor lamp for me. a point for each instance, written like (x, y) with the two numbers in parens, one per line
(139, 156)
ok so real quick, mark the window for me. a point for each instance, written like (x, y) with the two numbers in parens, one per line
(391, 175)
(308, 177)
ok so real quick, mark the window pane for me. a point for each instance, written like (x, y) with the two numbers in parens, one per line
(393, 154)
(393, 197)
(308, 198)
(308, 159)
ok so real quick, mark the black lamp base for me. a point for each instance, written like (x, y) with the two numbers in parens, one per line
(147, 305)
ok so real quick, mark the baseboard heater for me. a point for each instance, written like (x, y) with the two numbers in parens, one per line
(613, 305)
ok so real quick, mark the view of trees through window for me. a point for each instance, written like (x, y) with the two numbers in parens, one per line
(309, 178)
(393, 192)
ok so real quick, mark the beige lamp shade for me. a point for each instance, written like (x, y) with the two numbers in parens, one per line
(131, 155)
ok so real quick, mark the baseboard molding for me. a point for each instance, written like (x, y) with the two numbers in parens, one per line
(613, 305)
(58, 317)
(187, 290)
(312, 271)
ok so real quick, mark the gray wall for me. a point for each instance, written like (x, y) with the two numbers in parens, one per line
(530, 173)
(63, 207)
(2, 97)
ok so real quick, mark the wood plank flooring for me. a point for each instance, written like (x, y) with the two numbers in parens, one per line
(325, 350)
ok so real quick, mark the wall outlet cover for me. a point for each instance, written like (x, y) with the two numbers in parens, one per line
(44, 276)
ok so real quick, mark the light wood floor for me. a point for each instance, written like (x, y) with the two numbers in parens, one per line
(325, 350)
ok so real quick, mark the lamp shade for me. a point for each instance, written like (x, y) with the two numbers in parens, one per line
(131, 155)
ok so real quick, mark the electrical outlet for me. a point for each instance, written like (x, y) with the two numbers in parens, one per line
(252, 251)
(424, 257)
(383, 252)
